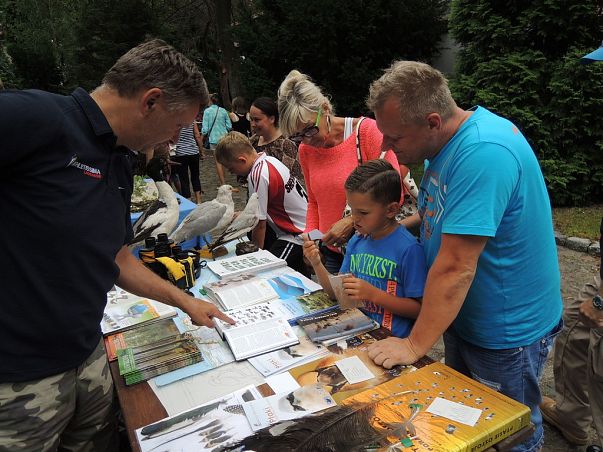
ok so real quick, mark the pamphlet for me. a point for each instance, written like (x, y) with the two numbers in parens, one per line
(259, 329)
(281, 360)
(247, 263)
(305, 400)
(345, 302)
(336, 323)
(211, 426)
(125, 311)
(240, 290)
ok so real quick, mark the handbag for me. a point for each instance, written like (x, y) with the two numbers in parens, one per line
(206, 144)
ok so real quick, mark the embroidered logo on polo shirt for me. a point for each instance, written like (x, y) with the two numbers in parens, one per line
(86, 169)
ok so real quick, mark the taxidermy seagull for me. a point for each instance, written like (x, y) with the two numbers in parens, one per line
(242, 224)
(202, 219)
(224, 196)
(161, 216)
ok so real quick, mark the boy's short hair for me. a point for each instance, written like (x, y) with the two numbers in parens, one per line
(231, 146)
(377, 178)
(155, 64)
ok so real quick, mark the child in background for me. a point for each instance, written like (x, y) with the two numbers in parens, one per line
(283, 201)
(387, 262)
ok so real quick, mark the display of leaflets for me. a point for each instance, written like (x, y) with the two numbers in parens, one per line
(247, 263)
(281, 360)
(144, 334)
(449, 404)
(325, 370)
(258, 329)
(211, 426)
(298, 403)
(138, 364)
(240, 290)
(336, 323)
(125, 311)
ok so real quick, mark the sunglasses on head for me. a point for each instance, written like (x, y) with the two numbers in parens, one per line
(309, 131)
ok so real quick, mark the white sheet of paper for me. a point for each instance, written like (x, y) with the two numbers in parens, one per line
(455, 411)
(282, 382)
(354, 370)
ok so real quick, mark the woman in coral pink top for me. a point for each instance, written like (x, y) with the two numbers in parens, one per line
(328, 153)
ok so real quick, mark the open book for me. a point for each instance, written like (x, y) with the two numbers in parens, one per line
(247, 263)
(259, 329)
(240, 290)
(125, 311)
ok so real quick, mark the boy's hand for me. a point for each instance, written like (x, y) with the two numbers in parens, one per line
(311, 252)
(358, 289)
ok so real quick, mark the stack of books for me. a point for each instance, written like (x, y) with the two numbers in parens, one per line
(140, 363)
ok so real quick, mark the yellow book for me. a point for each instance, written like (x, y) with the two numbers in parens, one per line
(500, 416)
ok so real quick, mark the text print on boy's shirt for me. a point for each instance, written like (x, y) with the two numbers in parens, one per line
(397, 261)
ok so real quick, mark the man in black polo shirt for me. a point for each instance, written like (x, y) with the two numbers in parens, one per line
(65, 190)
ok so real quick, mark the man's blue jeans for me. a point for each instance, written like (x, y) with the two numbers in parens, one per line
(514, 372)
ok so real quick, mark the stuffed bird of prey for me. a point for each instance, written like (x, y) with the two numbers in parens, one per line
(224, 196)
(243, 223)
(160, 216)
(202, 219)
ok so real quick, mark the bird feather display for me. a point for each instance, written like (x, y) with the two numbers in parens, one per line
(242, 224)
(339, 428)
(201, 220)
(160, 217)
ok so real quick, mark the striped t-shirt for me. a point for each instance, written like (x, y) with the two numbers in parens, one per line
(186, 142)
(283, 200)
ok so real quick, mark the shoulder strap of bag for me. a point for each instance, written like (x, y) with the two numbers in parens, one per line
(358, 152)
(212, 124)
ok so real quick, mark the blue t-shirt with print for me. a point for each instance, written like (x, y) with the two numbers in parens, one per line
(487, 182)
(397, 257)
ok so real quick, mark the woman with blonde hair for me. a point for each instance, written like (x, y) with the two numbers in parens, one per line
(330, 147)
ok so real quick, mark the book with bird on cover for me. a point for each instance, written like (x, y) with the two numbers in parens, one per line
(499, 415)
(126, 311)
(336, 323)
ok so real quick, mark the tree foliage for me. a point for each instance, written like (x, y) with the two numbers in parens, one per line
(342, 44)
(521, 60)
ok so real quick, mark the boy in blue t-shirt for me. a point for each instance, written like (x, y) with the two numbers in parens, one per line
(387, 262)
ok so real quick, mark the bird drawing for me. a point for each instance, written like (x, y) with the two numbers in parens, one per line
(242, 224)
(202, 219)
(160, 217)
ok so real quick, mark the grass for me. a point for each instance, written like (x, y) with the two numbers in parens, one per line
(578, 221)
(571, 221)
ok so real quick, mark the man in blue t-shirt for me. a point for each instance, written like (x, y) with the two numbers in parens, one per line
(493, 287)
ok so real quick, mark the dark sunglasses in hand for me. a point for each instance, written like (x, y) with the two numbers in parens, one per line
(308, 132)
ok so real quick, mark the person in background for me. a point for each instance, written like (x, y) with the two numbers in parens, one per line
(71, 183)
(391, 290)
(283, 201)
(267, 136)
(239, 116)
(579, 357)
(328, 153)
(216, 124)
(189, 153)
(493, 287)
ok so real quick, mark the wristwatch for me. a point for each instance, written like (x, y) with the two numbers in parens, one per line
(598, 302)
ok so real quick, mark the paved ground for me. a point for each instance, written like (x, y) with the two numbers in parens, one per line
(576, 269)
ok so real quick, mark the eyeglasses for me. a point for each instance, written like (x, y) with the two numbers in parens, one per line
(309, 131)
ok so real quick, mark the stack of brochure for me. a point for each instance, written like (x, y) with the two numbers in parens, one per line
(138, 364)
(143, 335)
(334, 325)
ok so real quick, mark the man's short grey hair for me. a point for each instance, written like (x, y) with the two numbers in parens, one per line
(155, 64)
(298, 99)
(420, 89)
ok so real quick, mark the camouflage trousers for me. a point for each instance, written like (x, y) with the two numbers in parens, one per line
(70, 411)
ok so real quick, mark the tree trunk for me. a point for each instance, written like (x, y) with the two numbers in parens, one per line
(230, 85)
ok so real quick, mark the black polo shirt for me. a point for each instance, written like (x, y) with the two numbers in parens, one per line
(65, 191)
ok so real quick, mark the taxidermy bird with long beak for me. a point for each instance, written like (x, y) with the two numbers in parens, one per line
(160, 216)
